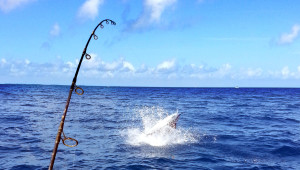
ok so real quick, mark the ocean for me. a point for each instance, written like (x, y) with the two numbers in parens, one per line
(219, 128)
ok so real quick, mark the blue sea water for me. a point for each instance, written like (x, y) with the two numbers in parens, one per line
(219, 128)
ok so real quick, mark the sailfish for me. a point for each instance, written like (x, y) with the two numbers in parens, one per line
(169, 121)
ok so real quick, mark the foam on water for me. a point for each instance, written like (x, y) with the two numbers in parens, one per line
(149, 117)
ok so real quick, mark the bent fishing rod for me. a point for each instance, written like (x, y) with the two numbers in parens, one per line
(78, 91)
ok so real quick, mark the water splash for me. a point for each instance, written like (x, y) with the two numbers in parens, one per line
(136, 135)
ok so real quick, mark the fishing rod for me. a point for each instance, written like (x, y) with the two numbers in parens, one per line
(78, 91)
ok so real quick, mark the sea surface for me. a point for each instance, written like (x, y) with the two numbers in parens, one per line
(219, 128)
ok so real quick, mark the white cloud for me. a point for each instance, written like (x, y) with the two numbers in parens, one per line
(55, 31)
(121, 69)
(288, 38)
(3, 61)
(69, 66)
(128, 66)
(222, 71)
(113, 66)
(153, 10)
(90, 8)
(254, 72)
(142, 69)
(27, 62)
(285, 72)
(157, 7)
(91, 63)
(96, 65)
(9, 5)
(192, 69)
(166, 66)
(226, 67)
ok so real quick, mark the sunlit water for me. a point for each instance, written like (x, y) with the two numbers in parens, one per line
(219, 128)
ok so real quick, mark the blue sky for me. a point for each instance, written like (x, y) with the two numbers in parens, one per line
(194, 43)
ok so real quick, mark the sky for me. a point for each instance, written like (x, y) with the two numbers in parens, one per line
(161, 43)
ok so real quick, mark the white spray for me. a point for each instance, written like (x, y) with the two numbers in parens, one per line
(155, 131)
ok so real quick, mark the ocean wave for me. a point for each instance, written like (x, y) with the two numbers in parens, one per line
(284, 151)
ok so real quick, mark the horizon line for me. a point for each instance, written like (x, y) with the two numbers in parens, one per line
(236, 87)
